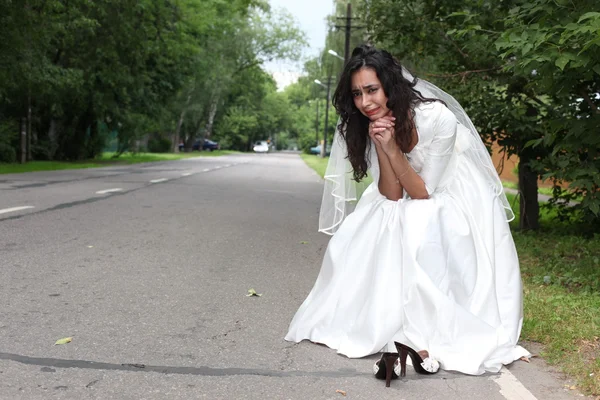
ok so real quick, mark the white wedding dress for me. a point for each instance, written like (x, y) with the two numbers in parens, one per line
(440, 274)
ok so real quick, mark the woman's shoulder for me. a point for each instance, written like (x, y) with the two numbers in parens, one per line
(430, 107)
(433, 111)
(428, 111)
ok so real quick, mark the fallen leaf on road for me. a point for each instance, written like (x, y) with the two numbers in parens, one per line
(252, 292)
(343, 393)
(303, 242)
(64, 340)
(573, 387)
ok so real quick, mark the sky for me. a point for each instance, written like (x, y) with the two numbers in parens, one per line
(310, 15)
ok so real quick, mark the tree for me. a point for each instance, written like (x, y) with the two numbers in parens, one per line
(86, 65)
(241, 42)
(554, 48)
(77, 70)
(449, 44)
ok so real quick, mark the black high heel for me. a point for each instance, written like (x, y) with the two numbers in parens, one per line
(385, 368)
(418, 363)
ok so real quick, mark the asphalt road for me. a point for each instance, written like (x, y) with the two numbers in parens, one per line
(147, 268)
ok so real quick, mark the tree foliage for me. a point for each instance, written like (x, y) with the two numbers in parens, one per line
(76, 71)
(555, 48)
(474, 51)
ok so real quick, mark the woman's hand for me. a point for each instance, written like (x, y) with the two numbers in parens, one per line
(382, 132)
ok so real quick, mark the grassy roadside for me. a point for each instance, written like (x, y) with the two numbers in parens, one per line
(106, 160)
(561, 279)
(541, 190)
(547, 191)
(315, 162)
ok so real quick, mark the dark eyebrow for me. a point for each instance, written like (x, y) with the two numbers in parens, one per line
(369, 86)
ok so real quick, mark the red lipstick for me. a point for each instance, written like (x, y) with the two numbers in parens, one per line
(373, 111)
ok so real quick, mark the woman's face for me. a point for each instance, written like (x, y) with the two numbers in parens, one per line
(368, 94)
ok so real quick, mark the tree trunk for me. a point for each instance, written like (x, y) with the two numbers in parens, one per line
(179, 124)
(94, 148)
(177, 130)
(23, 141)
(528, 190)
(53, 139)
(188, 143)
(212, 111)
(29, 128)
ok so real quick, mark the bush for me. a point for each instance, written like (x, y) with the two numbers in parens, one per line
(7, 153)
(305, 142)
(159, 144)
(226, 142)
(39, 151)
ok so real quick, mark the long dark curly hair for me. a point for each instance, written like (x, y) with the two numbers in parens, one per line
(402, 98)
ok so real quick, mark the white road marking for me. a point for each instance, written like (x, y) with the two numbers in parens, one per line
(109, 191)
(158, 180)
(13, 209)
(186, 174)
(511, 388)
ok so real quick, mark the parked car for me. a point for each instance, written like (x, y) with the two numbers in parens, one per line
(317, 150)
(210, 145)
(262, 146)
(205, 144)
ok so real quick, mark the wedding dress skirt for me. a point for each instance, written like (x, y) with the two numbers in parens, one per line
(440, 274)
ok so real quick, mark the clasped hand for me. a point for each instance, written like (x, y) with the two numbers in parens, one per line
(382, 132)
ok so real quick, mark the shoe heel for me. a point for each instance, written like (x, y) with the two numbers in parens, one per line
(404, 351)
(389, 369)
(403, 355)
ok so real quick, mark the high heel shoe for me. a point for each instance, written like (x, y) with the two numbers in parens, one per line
(428, 366)
(387, 368)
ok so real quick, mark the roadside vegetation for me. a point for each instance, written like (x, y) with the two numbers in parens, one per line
(107, 159)
(80, 78)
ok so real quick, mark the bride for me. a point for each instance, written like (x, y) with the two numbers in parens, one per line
(425, 265)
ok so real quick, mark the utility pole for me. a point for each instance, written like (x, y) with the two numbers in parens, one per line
(317, 125)
(328, 87)
(347, 30)
(324, 147)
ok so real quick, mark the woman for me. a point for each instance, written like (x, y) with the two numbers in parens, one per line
(426, 261)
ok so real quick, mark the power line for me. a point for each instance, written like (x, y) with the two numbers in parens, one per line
(348, 28)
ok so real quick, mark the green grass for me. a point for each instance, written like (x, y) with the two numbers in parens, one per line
(104, 161)
(135, 158)
(315, 162)
(320, 166)
(561, 276)
(541, 190)
(561, 279)
(33, 166)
